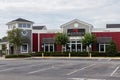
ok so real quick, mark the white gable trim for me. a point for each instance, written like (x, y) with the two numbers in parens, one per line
(76, 20)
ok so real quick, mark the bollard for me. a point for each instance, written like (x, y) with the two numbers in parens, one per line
(90, 55)
(69, 55)
(42, 55)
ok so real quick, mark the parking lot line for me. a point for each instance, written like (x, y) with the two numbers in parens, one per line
(17, 68)
(114, 71)
(84, 79)
(79, 69)
(108, 60)
(32, 72)
(54, 66)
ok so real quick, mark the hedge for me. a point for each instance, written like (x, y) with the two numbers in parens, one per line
(77, 54)
(64, 54)
(17, 56)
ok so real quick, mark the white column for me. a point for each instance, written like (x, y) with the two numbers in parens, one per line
(76, 46)
(44, 47)
(81, 47)
(104, 48)
(0, 46)
(70, 47)
(48, 47)
(99, 47)
(31, 41)
(53, 48)
(8, 48)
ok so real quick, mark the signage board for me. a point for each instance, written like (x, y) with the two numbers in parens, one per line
(75, 32)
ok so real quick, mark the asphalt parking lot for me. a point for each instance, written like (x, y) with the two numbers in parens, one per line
(60, 69)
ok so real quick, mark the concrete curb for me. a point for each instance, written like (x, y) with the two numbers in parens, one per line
(115, 58)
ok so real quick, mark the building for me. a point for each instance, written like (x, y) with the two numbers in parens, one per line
(39, 38)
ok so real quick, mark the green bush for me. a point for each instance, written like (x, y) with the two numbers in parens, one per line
(97, 54)
(37, 54)
(17, 56)
(64, 54)
(60, 54)
(55, 54)
(79, 54)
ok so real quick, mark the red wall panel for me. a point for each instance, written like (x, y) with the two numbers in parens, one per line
(48, 35)
(35, 42)
(115, 37)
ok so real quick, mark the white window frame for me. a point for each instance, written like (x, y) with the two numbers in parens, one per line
(70, 45)
(104, 44)
(24, 25)
(27, 48)
(49, 47)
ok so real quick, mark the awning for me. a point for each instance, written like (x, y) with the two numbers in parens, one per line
(48, 40)
(104, 39)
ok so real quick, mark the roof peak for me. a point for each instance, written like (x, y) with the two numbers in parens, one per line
(77, 21)
(20, 20)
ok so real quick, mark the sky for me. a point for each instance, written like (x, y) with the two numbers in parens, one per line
(54, 13)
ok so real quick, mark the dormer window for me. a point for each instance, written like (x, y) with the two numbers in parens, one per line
(24, 25)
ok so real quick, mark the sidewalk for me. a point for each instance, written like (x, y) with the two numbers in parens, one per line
(115, 58)
(2, 58)
(77, 57)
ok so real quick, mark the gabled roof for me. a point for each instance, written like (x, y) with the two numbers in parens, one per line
(76, 20)
(38, 27)
(112, 25)
(20, 20)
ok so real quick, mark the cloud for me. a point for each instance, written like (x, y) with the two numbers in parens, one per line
(54, 13)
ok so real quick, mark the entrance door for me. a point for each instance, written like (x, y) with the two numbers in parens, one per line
(79, 48)
(73, 47)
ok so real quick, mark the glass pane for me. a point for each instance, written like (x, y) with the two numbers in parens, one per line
(51, 47)
(101, 47)
(28, 25)
(20, 25)
(46, 47)
(24, 25)
(73, 47)
(106, 46)
(78, 41)
(72, 41)
(24, 48)
(68, 47)
(78, 47)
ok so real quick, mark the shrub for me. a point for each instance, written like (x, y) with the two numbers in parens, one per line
(36, 54)
(111, 48)
(17, 56)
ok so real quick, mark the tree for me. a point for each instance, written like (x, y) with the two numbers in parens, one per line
(4, 38)
(4, 47)
(62, 39)
(111, 48)
(15, 38)
(88, 40)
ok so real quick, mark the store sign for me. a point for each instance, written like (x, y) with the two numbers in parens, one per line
(76, 32)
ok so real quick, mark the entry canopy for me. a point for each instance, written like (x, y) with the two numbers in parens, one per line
(48, 40)
(104, 39)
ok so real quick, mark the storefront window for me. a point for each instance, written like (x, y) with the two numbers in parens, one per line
(24, 48)
(103, 47)
(74, 46)
(49, 48)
